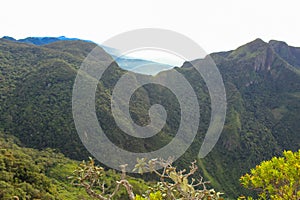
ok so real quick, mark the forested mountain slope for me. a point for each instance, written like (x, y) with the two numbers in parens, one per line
(262, 82)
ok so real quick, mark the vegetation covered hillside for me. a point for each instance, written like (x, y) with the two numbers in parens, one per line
(263, 110)
(31, 174)
(262, 83)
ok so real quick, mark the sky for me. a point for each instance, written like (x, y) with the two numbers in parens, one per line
(216, 25)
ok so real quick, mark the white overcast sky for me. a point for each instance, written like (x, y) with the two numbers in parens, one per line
(216, 25)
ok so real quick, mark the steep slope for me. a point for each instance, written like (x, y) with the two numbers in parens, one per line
(269, 85)
(37, 95)
(263, 106)
(37, 104)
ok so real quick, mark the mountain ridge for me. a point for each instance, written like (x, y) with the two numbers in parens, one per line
(136, 65)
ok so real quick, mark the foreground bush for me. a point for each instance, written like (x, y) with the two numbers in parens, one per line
(277, 179)
(173, 184)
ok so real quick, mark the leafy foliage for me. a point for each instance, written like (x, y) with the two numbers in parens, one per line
(30, 174)
(278, 178)
(27, 173)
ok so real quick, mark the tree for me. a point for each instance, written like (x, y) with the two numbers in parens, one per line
(173, 184)
(278, 178)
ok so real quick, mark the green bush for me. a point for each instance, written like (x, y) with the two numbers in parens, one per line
(278, 178)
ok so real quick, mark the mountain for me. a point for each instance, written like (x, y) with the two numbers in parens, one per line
(141, 66)
(127, 63)
(136, 65)
(262, 82)
(42, 40)
(263, 105)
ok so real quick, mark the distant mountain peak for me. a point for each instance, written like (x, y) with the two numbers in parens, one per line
(277, 43)
(255, 45)
(288, 53)
(9, 38)
(249, 50)
(41, 40)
